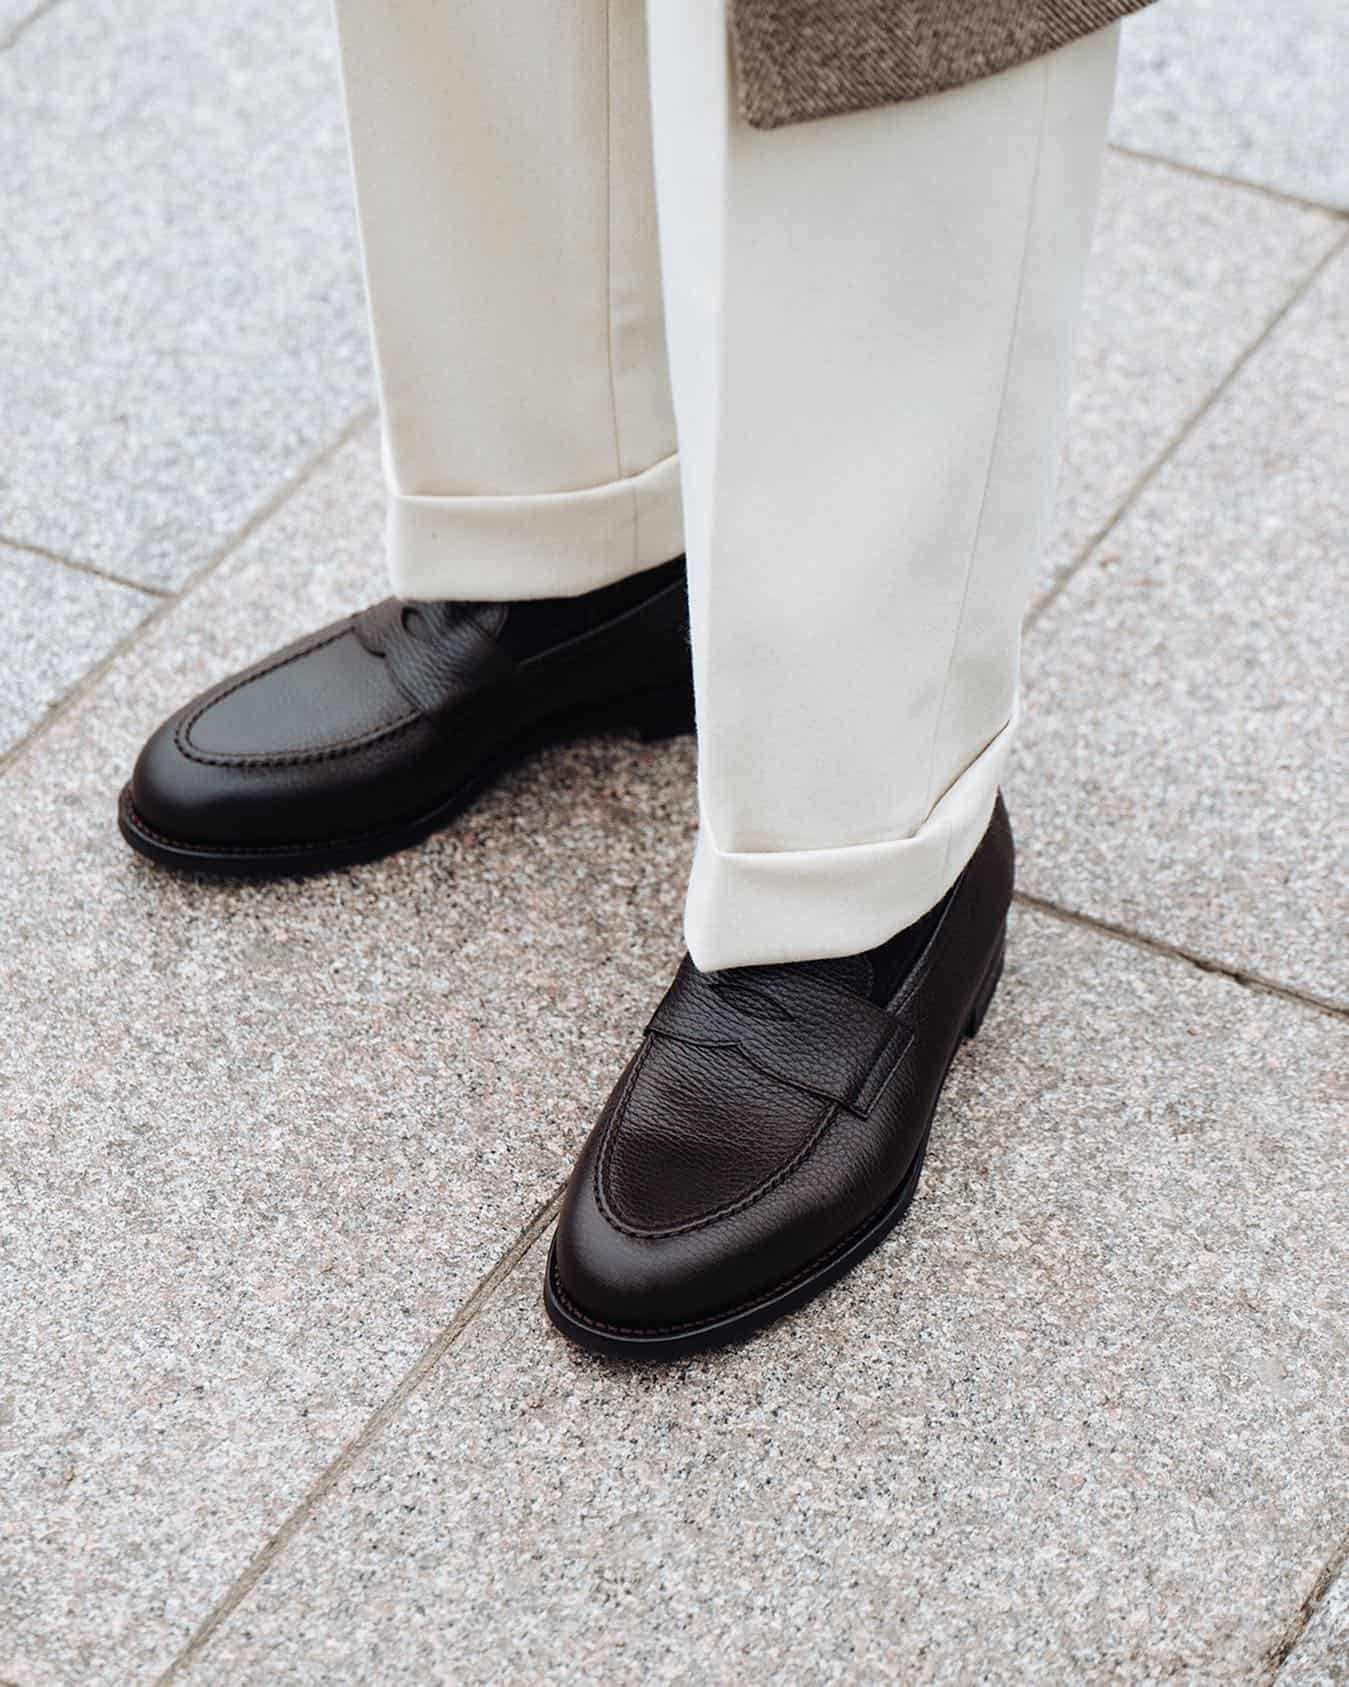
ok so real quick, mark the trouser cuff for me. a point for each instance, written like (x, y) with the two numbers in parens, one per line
(552, 544)
(766, 906)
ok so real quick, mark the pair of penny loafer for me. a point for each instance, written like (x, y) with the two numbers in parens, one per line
(770, 1127)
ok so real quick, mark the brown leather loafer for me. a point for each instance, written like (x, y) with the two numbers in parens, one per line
(373, 732)
(770, 1130)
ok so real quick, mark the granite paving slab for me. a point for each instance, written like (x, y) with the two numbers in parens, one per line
(59, 623)
(181, 325)
(259, 1143)
(1185, 275)
(1185, 755)
(1256, 91)
(1321, 1656)
(1081, 1419)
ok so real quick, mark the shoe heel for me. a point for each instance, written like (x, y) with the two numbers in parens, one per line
(667, 713)
(988, 986)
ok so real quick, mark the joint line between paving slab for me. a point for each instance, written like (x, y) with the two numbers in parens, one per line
(1071, 570)
(1278, 194)
(87, 682)
(374, 1426)
(16, 34)
(1279, 1655)
(98, 573)
(1205, 963)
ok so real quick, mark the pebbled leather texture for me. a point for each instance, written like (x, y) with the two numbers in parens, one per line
(772, 1017)
(768, 1116)
(378, 721)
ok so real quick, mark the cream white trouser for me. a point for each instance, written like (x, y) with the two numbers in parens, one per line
(870, 323)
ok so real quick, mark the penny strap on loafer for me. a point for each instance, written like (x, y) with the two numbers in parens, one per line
(458, 657)
(771, 1128)
(804, 1032)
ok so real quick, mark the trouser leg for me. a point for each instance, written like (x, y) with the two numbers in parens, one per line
(871, 322)
(501, 152)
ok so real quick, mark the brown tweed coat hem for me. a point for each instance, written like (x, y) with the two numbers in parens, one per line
(797, 59)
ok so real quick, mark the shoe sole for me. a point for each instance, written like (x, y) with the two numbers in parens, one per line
(739, 1322)
(651, 716)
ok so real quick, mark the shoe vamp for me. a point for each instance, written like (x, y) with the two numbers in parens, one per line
(334, 694)
(701, 1130)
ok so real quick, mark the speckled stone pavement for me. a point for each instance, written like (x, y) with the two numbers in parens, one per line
(278, 1402)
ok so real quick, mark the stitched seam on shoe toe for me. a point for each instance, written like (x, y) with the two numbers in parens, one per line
(294, 758)
(605, 1155)
(299, 758)
(819, 1263)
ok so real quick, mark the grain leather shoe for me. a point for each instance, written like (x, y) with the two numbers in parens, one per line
(770, 1130)
(376, 730)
